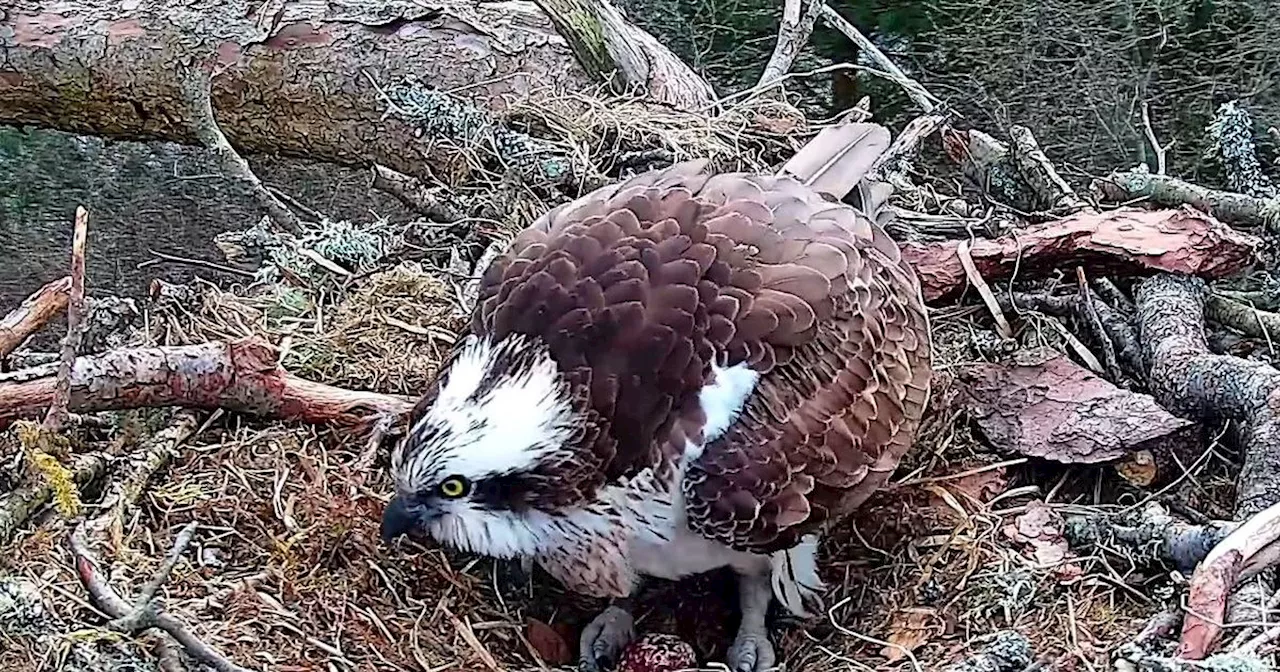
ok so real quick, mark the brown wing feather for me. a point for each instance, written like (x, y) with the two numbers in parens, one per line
(829, 423)
(637, 287)
(625, 286)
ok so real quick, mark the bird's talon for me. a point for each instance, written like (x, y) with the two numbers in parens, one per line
(751, 652)
(604, 639)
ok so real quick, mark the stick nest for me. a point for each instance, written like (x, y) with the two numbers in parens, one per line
(288, 573)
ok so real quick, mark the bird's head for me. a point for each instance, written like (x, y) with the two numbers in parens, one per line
(472, 467)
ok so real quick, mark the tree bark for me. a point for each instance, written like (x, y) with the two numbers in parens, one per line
(1192, 382)
(1043, 405)
(289, 77)
(35, 312)
(622, 55)
(1123, 241)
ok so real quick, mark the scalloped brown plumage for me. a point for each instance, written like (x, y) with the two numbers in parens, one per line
(637, 288)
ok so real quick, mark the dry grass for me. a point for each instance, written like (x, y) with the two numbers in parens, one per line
(288, 572)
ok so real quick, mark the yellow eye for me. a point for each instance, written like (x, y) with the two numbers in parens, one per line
(453, 487)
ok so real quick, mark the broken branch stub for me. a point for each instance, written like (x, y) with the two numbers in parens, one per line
(619, 53)
(1127, 241)
(33, 313)
(1044, 405)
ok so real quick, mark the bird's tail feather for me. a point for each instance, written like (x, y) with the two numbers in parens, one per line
(794, 575)
(837, 159)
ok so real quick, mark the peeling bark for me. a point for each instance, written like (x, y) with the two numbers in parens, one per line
(289, 77)
(241, 376)
(1044, 405)
(1121, 242)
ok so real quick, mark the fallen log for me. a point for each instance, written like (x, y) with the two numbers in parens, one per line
(1121, 242)
(34, 312)
(241, 376)
(302, 79)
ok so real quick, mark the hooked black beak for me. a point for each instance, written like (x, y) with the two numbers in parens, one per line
(397, 519)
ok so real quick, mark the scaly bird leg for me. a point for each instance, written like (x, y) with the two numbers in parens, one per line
(751, 650)
(606, 636)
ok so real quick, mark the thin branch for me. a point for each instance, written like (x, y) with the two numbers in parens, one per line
(1159, 150)
(196, 90)
(889, 70)
(57, 414)
(413, 193)
(1243, 318)
(1098, 331)
(144, 609)
(124, 616)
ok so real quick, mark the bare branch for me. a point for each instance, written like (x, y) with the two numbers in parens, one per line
(196, 89)
(35, 311)
(241, 376)
(1124, 186)
(889, 70)
(125, 618)
(413, 193)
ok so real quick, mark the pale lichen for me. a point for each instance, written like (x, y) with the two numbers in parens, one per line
(38, 445)
(1232, 134)
(441, 116)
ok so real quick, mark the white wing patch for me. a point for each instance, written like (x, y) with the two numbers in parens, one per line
(722, 401)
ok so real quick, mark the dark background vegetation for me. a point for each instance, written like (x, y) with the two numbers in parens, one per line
(1077, 72)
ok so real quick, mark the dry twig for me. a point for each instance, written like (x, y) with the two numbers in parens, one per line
(23, 502)
(1243, 318)
(1040, 174)
(57, 413)
(144, 613)
(413, 193)
(889, 70)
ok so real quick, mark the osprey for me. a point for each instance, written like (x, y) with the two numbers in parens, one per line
(678, 373)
